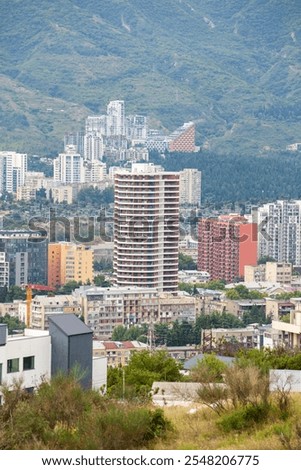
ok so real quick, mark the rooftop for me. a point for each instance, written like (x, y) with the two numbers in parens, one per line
(69, 324)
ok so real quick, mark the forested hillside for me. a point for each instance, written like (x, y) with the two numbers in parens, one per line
(233, 179)
(233, 67)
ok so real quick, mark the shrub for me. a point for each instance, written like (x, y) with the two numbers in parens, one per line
(61, 415)
(246, 385)
(244, 417)
(209, 369)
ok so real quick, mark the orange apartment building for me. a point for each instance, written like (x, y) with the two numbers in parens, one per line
(226, 245)
(69, 262)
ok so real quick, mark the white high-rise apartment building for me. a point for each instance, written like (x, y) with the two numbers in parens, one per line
(95, 171)
(136, 128)
(190, 187)
(279, 231)
(93, 146)
(115, 118)
(96, 124)
(68, 168)
(13, 169)
(146, 227)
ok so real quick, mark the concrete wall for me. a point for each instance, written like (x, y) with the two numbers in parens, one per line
(289, 380)
(99, 373)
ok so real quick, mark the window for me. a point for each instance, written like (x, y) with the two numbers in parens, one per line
(12, 365)
(28, 363)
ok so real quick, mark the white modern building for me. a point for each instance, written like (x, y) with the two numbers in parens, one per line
(93, 146)
(136, 128)
(25, 357)
(13, 169)
(115, 118)
(68, 168)
(279, 231)
(96, 124)
(146, 227)
(190, 187)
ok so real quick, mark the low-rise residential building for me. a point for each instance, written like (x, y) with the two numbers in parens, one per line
(42, 306)
(10, 308)
(290, 332)
(180, 307)
(251, 337)
(37, 355)
(270, 272)
(117, 352)
(277, 308)
(254, 273)
(104, 308)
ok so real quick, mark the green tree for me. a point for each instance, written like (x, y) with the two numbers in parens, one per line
(145, 368)
(186, 262)
(101, 281)
(255, 315)
(265, 259)
(13, 323)
(209, 369)
(122, 333)
(68, 288)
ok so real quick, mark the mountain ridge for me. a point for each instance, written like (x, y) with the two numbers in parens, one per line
(234, 69)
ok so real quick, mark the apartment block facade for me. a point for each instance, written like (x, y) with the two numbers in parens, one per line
(226, 245)
(279, 231)
(183, 138)
(42, 306)
(69, 262)
(13, 169)
(146, 227)
(23, 257)
(68, 168)
(190, 187)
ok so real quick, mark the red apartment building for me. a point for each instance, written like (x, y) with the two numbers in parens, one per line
(226, 245)
(183, 138)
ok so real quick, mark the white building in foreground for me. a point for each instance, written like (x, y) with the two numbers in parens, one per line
(25, 357)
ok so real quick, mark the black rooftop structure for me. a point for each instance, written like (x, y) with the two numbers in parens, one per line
(71, 342)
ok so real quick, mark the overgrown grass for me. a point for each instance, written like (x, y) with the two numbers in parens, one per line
(202, 430)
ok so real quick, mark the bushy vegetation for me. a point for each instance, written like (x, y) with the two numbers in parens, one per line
(266, 359)
(240, 395)
(135, 380)
(13, 324)
(61, 415)
(183, 333)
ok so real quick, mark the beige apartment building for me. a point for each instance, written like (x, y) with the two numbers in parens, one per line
(117, 352)
(273, 272)
(104, 308)
(291, 332)
(43, 306)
